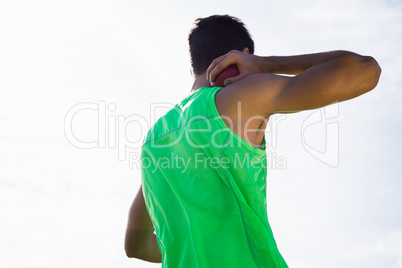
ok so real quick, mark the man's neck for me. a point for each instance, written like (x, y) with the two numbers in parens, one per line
(199, 82)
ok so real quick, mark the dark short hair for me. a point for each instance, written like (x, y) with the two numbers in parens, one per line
(215, 36)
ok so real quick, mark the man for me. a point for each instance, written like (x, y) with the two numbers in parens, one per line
(204, 164)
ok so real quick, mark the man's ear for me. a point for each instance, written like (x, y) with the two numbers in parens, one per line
(245, 50)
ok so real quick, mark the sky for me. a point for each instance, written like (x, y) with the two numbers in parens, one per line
(82, 81)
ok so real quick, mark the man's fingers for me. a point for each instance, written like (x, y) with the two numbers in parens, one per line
(234, 79)
(212, 67)
(220, 63)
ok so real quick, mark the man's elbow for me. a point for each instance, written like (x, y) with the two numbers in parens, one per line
(131, 251)
(133, 244)
(143, 251)
(372, 72)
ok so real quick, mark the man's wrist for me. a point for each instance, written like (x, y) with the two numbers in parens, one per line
(275, 65)
(267, 64)
(291, 65)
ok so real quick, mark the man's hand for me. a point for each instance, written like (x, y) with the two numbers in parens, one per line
(141, 242)
(246, 63)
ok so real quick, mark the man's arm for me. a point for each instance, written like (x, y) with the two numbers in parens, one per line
(140, 241)
(321, 79)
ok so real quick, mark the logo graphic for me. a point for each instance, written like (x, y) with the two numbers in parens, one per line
(325, 119)
(99, 125)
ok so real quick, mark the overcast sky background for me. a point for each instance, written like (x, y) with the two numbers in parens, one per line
(63, 206)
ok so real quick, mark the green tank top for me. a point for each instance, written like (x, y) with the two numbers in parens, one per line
(205, 190)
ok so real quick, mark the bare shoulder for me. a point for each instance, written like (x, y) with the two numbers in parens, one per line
(254, 94)
(243, 105)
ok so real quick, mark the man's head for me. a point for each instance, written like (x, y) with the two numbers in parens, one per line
(215, 36)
